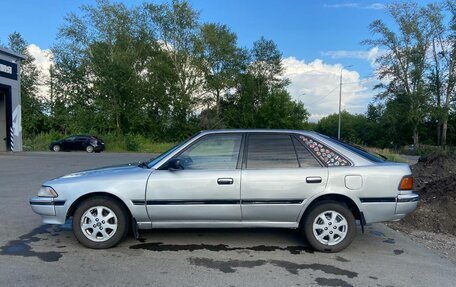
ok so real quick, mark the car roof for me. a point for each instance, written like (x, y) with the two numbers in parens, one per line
(80, 136)
(256, 131)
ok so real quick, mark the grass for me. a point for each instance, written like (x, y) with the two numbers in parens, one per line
(390, 155)
(114, 143)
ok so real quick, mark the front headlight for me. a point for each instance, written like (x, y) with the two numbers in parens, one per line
(47, 191)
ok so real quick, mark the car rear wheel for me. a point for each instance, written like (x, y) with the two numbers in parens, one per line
(89, 148)
(330, 226)
(56, 148)
(100, 222)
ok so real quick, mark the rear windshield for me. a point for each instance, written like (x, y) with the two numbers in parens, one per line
(359, 151)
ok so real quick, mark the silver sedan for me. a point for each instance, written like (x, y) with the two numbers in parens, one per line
(235, 178)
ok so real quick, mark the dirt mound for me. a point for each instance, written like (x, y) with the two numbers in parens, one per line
(435, 182)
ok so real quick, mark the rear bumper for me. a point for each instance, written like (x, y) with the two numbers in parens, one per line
(406, 203)
(389, 208)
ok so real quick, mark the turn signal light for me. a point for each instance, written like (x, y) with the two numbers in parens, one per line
(406, 183)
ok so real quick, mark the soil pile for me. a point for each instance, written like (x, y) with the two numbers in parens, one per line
(435, 182)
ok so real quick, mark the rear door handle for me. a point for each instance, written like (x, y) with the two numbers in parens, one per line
(313, 179)
(225, 181)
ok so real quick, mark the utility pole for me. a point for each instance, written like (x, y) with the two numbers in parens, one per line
(340, 99)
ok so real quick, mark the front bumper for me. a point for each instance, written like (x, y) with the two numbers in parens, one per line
(51, 209)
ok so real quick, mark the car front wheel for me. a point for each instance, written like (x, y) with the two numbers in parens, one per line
(89, 148)
(330, 227)
(100, 222)
(56, 148)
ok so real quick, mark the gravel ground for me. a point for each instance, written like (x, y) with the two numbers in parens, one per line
(443, 245)
(433, 224)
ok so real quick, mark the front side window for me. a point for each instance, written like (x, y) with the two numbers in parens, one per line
(218, 151)
(271, 151)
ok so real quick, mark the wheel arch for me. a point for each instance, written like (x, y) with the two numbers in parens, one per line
(80, 199)
(340, 198)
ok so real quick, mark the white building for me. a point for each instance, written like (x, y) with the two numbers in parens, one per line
(10, 101)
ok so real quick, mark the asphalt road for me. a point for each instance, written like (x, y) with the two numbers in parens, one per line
(32, 254)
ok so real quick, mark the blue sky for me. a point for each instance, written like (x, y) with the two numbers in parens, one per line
(317, 38)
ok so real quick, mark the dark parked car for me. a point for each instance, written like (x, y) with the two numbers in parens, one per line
(78, 142)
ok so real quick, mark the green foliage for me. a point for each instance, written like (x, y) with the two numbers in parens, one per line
(222, 61)
(418, 63)
(354, 128)
(155, 70)
(41, 141)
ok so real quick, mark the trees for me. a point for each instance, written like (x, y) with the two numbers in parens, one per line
(418, 66)
(404, 62)
(260, 99)
(99, 58)
(222, 61)
(176, 25)
(154, 69)
(355, 127)
(442, 76)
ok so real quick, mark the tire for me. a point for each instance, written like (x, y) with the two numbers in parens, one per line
(329, 226)
(100, 222)
(89, 148)
(56, 148)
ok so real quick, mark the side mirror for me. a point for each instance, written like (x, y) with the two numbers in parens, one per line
(174, 164)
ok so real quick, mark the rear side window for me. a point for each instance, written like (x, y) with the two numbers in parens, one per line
(359, 151)
(324, 153)
(271, 151)
(305, 158)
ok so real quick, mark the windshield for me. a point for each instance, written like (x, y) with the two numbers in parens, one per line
(168, 152)
(358, 150)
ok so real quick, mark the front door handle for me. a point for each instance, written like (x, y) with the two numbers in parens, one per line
(225, 181)
(313, 179)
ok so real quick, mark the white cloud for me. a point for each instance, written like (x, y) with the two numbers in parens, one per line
(43, 61)
(373, 6)
(370, 55)
(316, 84)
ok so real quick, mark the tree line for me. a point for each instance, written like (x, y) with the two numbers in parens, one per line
(154, 69)
(157, 70)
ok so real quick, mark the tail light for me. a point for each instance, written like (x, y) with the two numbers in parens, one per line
(406, 183)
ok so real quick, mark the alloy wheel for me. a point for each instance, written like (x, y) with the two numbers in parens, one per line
(99, 223)
(330, 227)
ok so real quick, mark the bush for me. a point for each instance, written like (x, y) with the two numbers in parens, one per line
(41, 141)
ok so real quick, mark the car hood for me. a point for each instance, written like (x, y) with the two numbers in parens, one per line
(113, 179)
(107, 170)
(109, 173)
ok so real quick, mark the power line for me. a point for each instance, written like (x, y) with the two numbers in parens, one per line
(324, 97)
